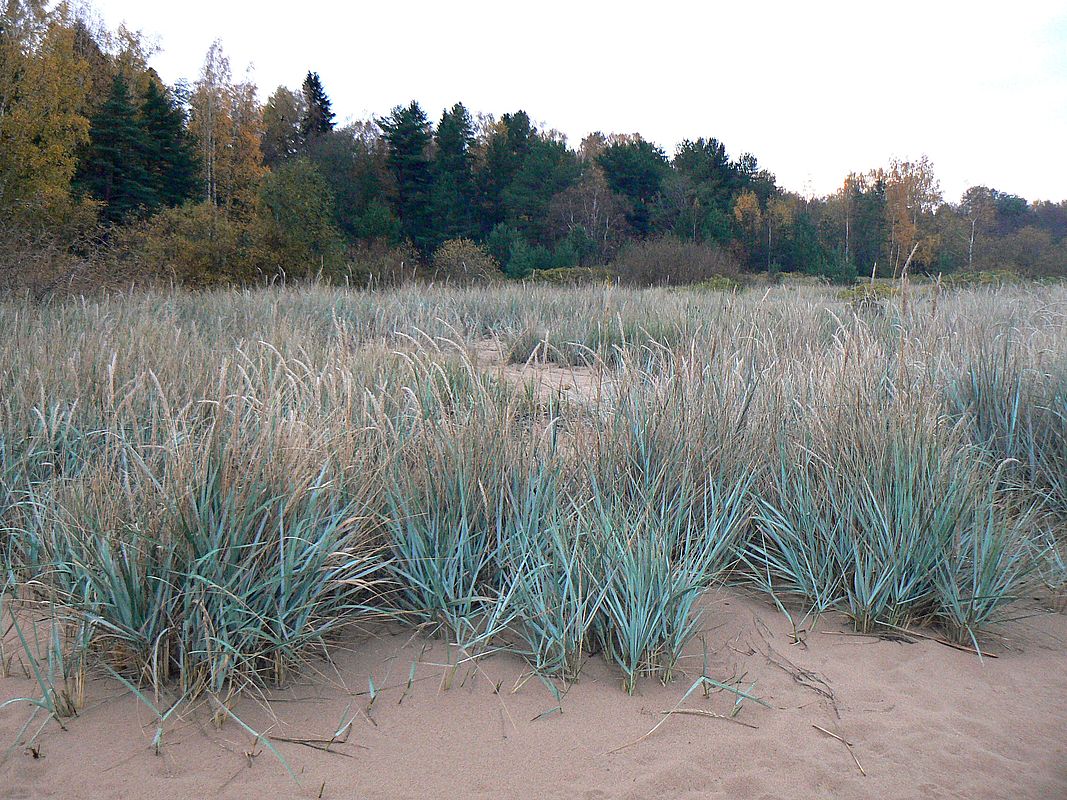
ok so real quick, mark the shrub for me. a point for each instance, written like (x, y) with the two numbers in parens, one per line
(526, 258)
(720, 283)
(573, 276)
(502, 240)
(463, 261)
(990, 277)
(288, 233)
(50, 248)
(378, 222)
(377, 264)
(670, 260)
(577, 248)
(867, 295)
(196, 244)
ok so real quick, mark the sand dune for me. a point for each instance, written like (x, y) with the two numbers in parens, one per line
(923, 720)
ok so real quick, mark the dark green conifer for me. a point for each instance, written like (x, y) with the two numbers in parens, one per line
(407, 133)
(453, 173)
(170, 154)
(114, 167)
(318, 112)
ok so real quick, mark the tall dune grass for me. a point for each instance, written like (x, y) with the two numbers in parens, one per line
(209, 487)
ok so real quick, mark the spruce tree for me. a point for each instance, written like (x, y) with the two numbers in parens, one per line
(318, 114)
(171, 157)
(407, 133)
(505, 152)
(114, 167)
(453, 190)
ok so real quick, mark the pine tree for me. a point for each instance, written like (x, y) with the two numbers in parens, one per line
(548, 168)
(114, 168)
(171, 157)
(407, 132)
(318, 114)
(636, 170)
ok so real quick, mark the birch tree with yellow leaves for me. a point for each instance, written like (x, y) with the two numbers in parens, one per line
(912, 195)
(227, 121)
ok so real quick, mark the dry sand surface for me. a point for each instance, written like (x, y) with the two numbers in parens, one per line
(923, 720)
(547, 379)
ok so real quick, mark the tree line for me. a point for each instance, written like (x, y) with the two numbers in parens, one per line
(203, 182)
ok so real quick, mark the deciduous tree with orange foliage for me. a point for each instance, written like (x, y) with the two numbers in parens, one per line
(42, 93)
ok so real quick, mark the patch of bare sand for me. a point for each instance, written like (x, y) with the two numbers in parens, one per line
(549, 380)
(924, 721)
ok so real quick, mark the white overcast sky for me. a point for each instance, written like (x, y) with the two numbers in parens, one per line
(813, 89)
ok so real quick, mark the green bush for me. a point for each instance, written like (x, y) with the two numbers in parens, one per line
(719, 283)
(197, 244)
(299, 238)
(463, 261)
(991, 277)
(572, 276)
(53, 247)
(867, 294)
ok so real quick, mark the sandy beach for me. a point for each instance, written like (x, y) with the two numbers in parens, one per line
(923, 720)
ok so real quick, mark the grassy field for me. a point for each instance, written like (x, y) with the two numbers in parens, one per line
(201, 490)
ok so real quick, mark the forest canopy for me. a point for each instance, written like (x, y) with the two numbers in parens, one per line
(108, 175)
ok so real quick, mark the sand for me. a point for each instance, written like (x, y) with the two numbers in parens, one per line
(923, 720)
(548, 380)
